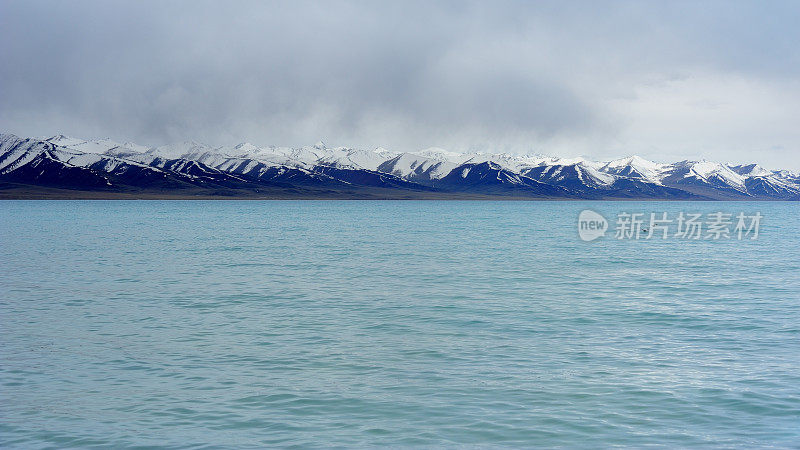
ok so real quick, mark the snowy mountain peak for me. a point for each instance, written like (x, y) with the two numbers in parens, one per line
(246, 146)
(751, 170)
(706, 169)
(186, 148)
(635, 167)
(633, 161)
(136, 148)
(441, 154)
(65, 141)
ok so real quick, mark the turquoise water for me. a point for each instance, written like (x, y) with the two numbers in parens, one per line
(348, 323)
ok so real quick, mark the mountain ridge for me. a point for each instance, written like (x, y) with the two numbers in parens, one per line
(246, 170)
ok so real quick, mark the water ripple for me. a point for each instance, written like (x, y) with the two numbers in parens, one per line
(351, 324)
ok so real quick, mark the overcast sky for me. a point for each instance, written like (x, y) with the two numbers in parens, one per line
(667, 80)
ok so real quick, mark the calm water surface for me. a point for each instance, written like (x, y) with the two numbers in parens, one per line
(251, 324)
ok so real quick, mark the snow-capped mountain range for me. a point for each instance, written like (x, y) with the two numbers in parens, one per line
(192, 168)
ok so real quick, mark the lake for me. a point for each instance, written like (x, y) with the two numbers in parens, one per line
(402, 323)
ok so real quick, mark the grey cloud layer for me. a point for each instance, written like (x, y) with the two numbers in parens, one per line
(598, 78)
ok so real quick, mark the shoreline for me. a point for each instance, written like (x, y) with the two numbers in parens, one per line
(19, 191)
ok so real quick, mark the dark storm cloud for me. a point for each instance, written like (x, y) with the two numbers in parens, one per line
(569, 77)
